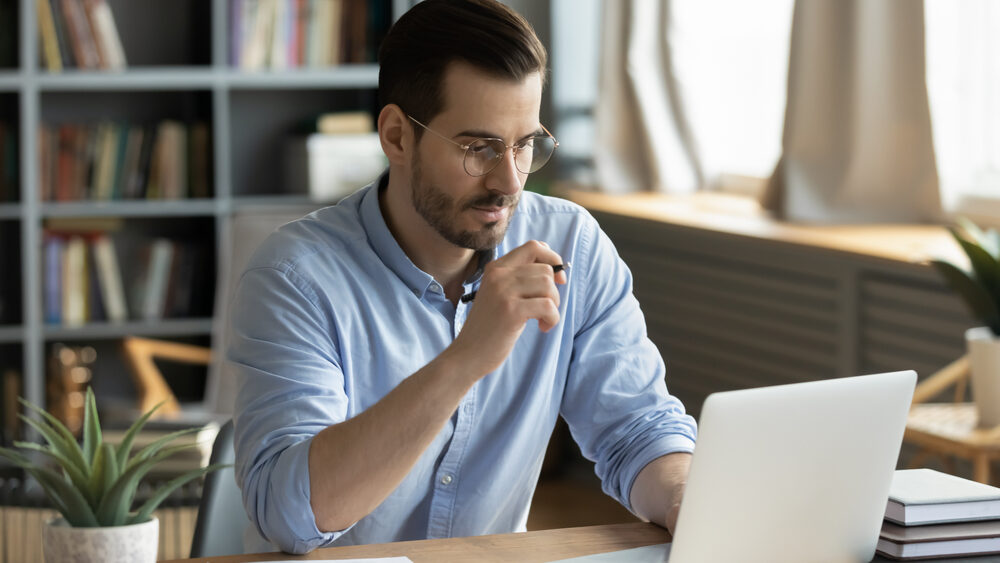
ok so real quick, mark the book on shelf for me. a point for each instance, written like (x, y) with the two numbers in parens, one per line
(105, 32)
(51, 52)
(74, 282)
(81, 37)
(111, 161)
(85, 265)
(926, 496)
(110, 279)
(939, 540)
(80, 34)
(279, 34)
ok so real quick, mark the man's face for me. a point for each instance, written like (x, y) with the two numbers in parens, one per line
(474, 212)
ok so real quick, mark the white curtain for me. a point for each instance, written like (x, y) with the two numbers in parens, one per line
(643, 141)
(857, 141)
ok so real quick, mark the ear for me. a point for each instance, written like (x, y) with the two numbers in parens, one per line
(395, 132)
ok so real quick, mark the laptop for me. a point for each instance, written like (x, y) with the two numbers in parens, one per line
(797, 473)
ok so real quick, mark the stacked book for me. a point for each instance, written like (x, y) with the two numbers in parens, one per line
(932, 514)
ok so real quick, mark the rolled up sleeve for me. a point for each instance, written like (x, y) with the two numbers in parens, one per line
(616, 400)
(281, 351)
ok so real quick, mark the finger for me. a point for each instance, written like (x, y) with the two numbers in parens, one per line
(542, 309)
(536, 280)
(530, 252)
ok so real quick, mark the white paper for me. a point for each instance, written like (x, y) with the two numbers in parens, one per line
(366, 560)
(659, 553)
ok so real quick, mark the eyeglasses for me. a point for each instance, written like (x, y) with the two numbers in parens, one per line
(483, 155)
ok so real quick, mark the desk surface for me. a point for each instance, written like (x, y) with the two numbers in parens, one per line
(527, 547)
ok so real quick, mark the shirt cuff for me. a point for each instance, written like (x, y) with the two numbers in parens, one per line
(290, 497)
(664, 446)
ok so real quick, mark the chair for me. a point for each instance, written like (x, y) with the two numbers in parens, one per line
(150, 385)
(221, 516)
(949, 430)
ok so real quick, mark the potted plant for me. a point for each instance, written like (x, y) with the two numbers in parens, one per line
(978, 283)
(93, 486)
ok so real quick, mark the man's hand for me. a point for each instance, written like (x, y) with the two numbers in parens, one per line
(516, 288)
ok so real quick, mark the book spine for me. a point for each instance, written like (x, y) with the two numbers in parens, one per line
(110, 279)
(80, 36)
(105, 32)
(52, 300)
(160, 258)
(50, 42)
(74, 282)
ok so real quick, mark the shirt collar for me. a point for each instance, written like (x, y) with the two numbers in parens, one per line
(389, 251)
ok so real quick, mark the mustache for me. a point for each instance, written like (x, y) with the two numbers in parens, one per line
(493, 200)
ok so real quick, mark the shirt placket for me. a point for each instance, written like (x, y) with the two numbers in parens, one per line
(448, 477)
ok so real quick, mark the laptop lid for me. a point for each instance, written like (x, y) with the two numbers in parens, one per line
(795, 472)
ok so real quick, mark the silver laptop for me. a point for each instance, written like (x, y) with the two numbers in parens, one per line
(797, 473)
(794, 472)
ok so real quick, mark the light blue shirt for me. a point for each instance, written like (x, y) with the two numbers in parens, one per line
(331, 315)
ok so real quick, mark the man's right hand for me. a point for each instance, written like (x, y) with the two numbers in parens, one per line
(515, 288)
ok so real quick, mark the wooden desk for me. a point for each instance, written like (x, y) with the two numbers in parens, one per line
(528, 547)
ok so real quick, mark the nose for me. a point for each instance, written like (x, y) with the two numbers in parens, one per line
(505, 178)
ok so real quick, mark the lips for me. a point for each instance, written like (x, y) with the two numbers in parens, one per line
(490, 214)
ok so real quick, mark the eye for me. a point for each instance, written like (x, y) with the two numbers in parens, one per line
(480, 147)
(528, 144)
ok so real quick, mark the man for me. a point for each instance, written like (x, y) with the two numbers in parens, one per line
(404, 355)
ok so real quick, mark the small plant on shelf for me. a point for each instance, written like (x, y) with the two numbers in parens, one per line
(97, 484)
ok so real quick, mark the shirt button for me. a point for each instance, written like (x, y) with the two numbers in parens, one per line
(446, 480)
(436, 288)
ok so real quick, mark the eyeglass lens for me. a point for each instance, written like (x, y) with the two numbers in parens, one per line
(483, 155)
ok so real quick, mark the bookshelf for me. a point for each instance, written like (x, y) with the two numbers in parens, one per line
(180, 66)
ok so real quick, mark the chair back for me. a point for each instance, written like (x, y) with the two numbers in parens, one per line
(221, 516)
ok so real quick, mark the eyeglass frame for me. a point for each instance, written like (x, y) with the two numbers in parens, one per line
(515, 148)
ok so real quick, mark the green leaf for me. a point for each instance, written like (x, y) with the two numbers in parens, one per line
(111, 470)
(66, 442)
(126, 444)
(98, 474)
(147, 508)
(989, 240)
(78, 479)
(113, 510)
(67, 499)
(976, 297)
(91, 428)
(983, 264)
(154, 447)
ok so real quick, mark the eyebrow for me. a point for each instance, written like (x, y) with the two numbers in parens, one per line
(480, 134)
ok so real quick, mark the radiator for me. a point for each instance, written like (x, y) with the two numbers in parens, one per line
(731, 312)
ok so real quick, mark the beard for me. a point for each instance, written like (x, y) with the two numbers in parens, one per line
(441, 211)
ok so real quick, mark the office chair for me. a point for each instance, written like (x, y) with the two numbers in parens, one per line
(221, 517)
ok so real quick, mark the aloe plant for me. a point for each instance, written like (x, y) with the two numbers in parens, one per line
(978, 283)
(97, 483)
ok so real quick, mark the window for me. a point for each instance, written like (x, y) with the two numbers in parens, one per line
(963, 84)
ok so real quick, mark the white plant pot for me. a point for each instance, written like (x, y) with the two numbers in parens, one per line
(136, 543)
(984, 360)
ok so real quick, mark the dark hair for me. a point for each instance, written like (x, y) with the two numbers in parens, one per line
(419, 47)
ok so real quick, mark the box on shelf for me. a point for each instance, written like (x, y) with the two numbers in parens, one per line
(329, 167)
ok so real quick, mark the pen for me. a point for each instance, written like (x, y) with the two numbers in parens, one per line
(555, 270)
